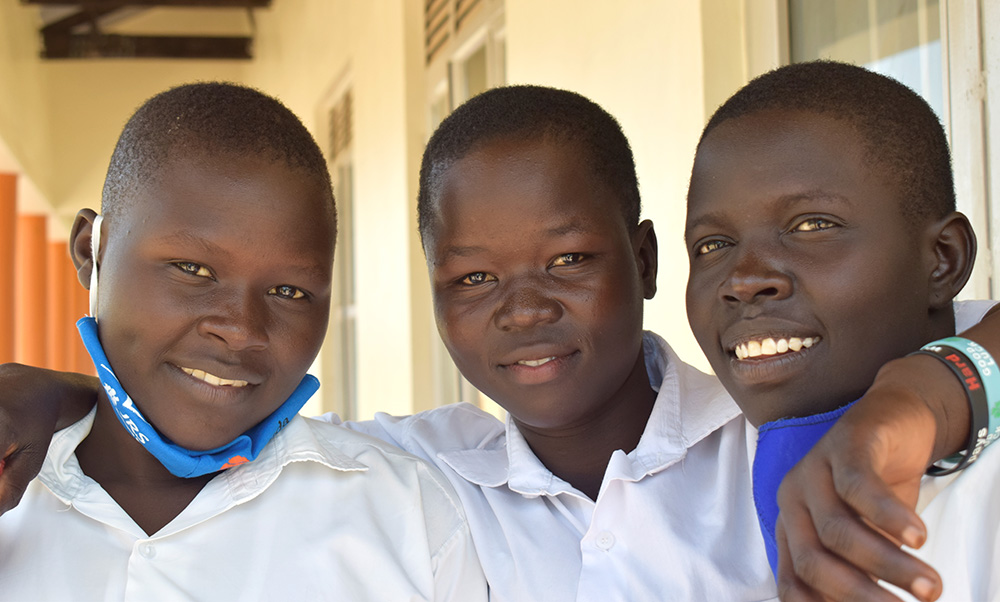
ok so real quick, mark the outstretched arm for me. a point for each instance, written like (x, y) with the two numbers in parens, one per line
(34, 403)
(850, 501)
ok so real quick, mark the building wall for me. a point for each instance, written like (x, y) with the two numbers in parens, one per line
(24, 129)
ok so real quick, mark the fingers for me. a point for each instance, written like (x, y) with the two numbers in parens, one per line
(814, 572)
(790, 587)
(832, 551)
(888, 509)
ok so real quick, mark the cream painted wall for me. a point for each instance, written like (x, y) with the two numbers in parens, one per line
(89, 103)
(642, 62)
(24, 127)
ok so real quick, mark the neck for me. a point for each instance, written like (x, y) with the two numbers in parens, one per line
(136, 480)
(579, 454)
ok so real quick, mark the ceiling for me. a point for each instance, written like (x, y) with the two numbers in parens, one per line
(176, 29)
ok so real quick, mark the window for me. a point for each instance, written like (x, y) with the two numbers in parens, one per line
(338, 363)
(899, 38)
(943, 50)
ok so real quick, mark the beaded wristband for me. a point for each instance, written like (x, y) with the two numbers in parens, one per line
(975, 392)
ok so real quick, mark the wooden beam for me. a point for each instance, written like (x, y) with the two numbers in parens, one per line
(87, 4)
(89, 15)
(84, 46)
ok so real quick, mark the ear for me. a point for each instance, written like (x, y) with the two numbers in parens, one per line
(79, 245)
(952, 245)
(644, 248)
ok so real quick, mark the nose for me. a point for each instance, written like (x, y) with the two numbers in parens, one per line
(755, 277)
(238, 318)
(526, 305)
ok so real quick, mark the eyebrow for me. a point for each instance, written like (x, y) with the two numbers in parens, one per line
(714, 218)
(186, 238)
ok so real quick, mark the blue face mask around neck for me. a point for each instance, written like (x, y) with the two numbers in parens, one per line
(180, 461)
(780, 445)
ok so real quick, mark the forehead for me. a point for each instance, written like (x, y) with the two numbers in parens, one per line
(220, 197)
(509, 186)
(787, 155)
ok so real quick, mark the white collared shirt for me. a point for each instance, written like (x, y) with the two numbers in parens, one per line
(674, 519)
(962, 516)
(350, 518)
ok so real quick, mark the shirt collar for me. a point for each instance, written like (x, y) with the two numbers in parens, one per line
(689, 406)
(297, 442)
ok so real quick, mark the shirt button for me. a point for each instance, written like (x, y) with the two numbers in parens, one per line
(605, 540)
(147, 550)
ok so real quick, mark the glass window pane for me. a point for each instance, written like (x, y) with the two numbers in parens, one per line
(899, 38)
(474, 72)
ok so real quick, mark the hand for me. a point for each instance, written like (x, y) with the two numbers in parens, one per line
(33, 403)
(847, 506)
(24, 441)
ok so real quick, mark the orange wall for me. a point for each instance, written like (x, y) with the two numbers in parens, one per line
(8, 207)
(30, 286)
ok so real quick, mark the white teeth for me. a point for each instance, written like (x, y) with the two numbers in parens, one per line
(213, 379)
(536, 363)
(769, 346)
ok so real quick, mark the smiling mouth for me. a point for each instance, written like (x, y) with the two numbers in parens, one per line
(771, 346)
(213, 379)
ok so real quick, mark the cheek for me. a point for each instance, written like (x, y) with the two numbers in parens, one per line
(614, 310)
(698, 306)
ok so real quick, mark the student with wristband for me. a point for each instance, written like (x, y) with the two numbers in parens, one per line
(823, 242)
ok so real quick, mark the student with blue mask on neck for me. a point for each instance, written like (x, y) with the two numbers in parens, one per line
(193, 478)
(824, 242)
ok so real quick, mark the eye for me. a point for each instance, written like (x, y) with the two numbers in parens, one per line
(286, 291)
(195, 269)
(567, 259)
(707, 247)
(814, 224)
(477, 278)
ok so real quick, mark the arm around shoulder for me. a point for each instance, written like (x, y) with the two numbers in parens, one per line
(33, 404)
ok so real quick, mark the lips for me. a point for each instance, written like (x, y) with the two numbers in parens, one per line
(533, 366)
(534, 355)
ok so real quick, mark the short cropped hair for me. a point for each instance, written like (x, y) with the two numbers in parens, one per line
(207, 119)
(529, 113)
(903, 138)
